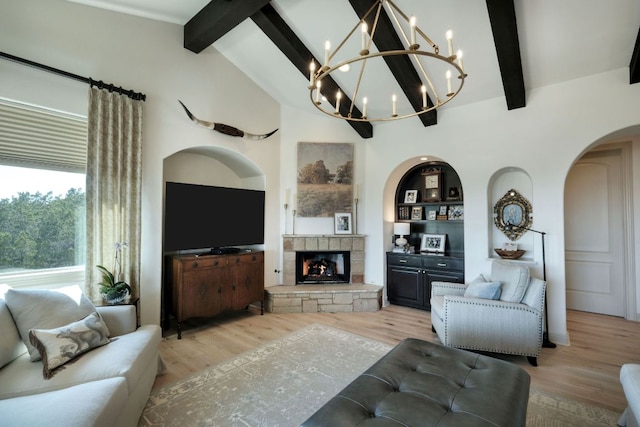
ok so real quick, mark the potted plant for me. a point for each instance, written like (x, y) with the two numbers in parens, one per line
(112, 287)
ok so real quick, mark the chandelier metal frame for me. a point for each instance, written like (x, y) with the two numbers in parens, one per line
(413, 50)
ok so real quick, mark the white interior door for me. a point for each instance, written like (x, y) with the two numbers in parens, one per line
(594, 234)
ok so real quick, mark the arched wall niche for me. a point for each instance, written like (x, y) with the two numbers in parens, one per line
(211, 166)
(500, 183)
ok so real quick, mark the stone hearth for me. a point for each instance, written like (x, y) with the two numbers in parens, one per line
(323, 298)
(292, 298)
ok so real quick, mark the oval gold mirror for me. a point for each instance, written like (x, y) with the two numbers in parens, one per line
(513, 215)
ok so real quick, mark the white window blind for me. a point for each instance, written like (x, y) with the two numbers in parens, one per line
(36, 137)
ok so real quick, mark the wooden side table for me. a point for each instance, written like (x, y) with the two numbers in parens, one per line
(127, 301)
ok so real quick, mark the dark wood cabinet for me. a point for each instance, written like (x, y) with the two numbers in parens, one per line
(207, 285)
(409, 277)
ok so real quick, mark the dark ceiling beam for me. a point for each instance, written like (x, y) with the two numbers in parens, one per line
(272, 24)
(403, 70)
(215, 20)
(634, 66)
(502, 15)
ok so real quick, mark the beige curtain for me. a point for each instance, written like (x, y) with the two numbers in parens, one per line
(114, 159)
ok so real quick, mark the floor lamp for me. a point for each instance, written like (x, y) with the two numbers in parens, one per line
(545, 334)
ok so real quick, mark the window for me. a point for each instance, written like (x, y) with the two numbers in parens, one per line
(42, 196)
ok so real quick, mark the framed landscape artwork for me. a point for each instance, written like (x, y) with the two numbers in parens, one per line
(325, 179)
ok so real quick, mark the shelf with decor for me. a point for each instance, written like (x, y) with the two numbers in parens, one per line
(429, 206)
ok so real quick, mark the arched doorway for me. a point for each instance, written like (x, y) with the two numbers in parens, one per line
(599, 241)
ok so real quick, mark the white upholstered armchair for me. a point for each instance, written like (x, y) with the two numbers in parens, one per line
(501, 314)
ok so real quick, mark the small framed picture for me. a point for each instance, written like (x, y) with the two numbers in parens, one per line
(411, 196)
(456, 213)
(443, 210)
(432, 216)
(416, 213)
(343, 223)
(433, 243)
(453, 194)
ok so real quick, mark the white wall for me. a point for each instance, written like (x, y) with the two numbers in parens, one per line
(543, 139)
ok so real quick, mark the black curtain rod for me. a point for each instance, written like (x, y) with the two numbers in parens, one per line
(99, 83)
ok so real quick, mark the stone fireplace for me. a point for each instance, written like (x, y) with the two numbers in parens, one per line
(340, 255)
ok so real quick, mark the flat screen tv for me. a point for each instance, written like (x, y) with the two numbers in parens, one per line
(209, 217)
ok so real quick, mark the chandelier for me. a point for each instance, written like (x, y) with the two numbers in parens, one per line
(442, 77)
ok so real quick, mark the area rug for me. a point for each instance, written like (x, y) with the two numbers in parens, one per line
(285, 381)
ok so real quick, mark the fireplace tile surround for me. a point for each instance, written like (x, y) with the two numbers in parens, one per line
(296, 298)
(305, 243)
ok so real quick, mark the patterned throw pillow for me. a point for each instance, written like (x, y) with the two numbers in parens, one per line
(60, 345)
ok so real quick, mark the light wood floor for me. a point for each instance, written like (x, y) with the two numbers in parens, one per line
(587, 370)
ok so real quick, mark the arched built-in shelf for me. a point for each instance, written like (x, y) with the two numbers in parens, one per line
(410, 274)
(447, 213)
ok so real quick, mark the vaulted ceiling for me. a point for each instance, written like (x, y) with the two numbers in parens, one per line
(510, 46)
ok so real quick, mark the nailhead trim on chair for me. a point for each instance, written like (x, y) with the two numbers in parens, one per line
(505, 305)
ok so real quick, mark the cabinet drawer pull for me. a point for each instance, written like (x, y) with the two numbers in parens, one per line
(403, 261)
(442, 264)
(195, 264)
(216, 263)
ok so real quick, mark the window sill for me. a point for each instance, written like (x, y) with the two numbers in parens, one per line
(49, 278)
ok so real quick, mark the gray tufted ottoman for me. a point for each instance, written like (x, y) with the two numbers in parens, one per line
(419, 383)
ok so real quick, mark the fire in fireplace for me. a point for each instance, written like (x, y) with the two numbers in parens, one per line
(323, 267)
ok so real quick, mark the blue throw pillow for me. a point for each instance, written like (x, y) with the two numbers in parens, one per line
(485, 290)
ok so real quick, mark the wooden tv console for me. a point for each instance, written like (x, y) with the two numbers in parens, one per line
(207, 285)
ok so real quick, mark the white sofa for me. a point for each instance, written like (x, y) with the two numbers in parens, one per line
(106, 386)
(630, 379)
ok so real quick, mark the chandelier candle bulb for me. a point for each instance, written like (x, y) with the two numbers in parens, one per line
(312, 71)
(318, 84)
(327, 47)
(459, 56)
(363, 29)
(394, 100)
(449, 36)
(412, 23)
(423, 89)
(364, 107)
(338, 96)
(449, 93)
